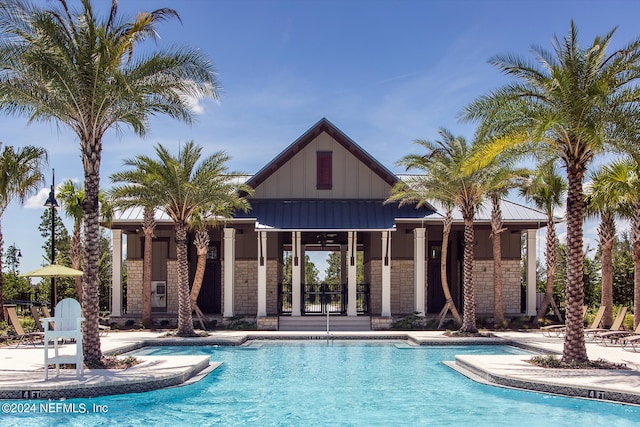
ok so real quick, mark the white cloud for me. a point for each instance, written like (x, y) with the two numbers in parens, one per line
(37, 201)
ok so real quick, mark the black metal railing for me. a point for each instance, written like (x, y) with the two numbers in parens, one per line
(320, 298)
(363, 297)
(285, 298)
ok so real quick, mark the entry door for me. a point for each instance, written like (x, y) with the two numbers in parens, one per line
(210, 293)
(435, 296)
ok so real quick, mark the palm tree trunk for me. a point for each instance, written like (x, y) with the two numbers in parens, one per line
(635, 241)
(76, 256)
(469, 309)
(574, 345)
(148, 226)
(607, 234)
(551, 256)
(446, 231)
(496, 231)
(202, 246)
(185, 319)
(90, 299)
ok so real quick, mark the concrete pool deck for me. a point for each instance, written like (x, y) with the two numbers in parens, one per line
(22, 371)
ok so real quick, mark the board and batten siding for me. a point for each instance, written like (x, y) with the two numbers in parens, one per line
(296, 179)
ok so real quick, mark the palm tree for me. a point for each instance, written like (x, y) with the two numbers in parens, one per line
(71, 196)
(460, 187)
(503, 177)
(20, 176)
(622, 181)
(547, 191)
(603, 200)
(85, 72)
(184, 188)
(419, 190)
(214, 216)
(568, 106)
(140, 190)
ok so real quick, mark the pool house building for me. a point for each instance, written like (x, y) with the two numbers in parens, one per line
(325, 193)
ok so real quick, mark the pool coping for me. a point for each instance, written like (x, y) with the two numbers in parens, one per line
(151, 374)
(567, 382)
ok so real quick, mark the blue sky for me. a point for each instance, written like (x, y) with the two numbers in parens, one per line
(384, 72)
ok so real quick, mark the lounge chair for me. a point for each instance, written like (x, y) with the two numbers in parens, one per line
(558, 330)
(25, 337)
(632, 341)
(36, 316)
(614, 337)
(68, 319)
(617, 324)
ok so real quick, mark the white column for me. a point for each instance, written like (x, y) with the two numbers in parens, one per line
(352, 294)
(419, 270)
(116, 273)
(296, 272)
(531, 272)
(229, 270)
(386, 274)
(262, 274)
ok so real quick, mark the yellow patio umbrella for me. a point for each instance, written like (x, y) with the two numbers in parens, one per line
(53, 270)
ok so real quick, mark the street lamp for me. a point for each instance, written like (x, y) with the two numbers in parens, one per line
(53, 204)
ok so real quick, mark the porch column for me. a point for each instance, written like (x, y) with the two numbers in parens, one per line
(229, 270)
(419, 270)
(386, 274)
(296, 272)
(352, 294)
(116, 274)
(531, 272)
(262, 274)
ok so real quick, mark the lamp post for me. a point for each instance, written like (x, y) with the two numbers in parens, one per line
(52, 203)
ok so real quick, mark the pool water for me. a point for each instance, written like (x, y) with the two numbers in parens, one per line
(311, 383)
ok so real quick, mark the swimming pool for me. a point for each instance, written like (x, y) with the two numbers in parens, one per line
(341, 383)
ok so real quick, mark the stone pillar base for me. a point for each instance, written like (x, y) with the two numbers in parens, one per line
(381, 323)
(267, 323)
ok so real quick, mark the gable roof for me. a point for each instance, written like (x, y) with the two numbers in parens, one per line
(329, 128)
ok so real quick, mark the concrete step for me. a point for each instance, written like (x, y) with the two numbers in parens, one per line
(319, 323)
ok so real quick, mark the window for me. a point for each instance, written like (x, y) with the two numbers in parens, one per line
(324, 172)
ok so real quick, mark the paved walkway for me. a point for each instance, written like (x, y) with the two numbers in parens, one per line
(22, 372)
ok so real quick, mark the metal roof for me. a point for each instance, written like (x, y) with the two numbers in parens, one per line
(511, 212)
(330, 214)
(135, 215)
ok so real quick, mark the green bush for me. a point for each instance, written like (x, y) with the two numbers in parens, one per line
(28, 324)
(410, 322)
(238, 323)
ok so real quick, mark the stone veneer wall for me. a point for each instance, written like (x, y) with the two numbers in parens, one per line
(402, 292)
(172, 286)
(483, 284)
(245, 289)
(134, 287)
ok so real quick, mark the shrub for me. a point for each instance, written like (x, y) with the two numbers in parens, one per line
(410, 322)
